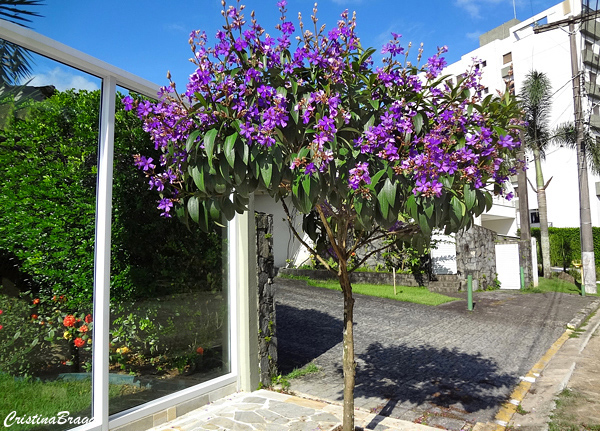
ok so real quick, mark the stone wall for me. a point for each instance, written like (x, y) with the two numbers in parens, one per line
(476, 255)
(265, 268)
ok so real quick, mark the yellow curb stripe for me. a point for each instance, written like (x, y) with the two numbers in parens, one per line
(508, 410)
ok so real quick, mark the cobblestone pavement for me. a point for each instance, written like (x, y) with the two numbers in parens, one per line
(443, 366)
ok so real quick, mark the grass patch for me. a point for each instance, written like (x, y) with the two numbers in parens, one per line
(47, 399)
(418, 295)
(563, 417)
(555, 285)
(284, 381)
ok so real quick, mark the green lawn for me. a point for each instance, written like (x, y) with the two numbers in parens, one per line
(418, 295)
(47, 399)
(555, 285)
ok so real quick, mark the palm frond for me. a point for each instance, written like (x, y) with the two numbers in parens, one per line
(566, 135)
(16, 11)
(16, 61)
(536, 101)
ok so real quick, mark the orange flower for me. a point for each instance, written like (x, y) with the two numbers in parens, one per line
(83, 328)
(79, 342)
(200, 351)
(69, 320)
(88, 318)
(34, 316)
(1, 326)
(0, 311)
(36, 301)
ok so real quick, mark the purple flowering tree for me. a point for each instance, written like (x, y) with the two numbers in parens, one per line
(363, 152)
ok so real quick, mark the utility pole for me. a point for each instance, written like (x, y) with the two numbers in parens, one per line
(588, 268)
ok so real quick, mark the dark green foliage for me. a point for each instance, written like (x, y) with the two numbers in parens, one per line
(565, 245)
(47, 209)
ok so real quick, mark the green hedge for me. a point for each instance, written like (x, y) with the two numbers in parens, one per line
(565, 245)
(48, 167)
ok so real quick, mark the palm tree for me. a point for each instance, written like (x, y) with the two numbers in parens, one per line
(15, 61)
(536, 99)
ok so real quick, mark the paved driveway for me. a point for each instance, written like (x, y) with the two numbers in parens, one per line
(443, 365)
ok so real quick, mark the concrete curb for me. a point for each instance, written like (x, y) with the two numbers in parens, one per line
(508, 410)
(583, 314)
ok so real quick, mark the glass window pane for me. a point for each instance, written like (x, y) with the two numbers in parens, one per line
(169, 302)
(49, 116)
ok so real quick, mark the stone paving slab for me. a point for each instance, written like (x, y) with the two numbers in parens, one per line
(272, 411)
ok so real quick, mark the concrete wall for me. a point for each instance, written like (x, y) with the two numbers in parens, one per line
(285, 245)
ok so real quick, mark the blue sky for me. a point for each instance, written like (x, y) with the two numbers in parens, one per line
(149, 37)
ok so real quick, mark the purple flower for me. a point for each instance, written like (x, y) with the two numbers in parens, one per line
(128, 102)
(310, 169)
(145, 163)
(287, 27)
(165, 205)
(358, 174)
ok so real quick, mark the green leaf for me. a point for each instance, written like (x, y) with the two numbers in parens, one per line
(411, 206)
(470, 196)
(193, 206)
(488, 201)
(266, 172)
(458, 208)
(209, 144)
(227, 208)
(418, 122)
(191, 140)
(198, 176)
(229, 148)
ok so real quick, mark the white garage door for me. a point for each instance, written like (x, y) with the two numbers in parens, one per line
(507, 266)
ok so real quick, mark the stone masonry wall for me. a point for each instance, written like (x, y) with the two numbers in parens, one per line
(476, 255)
(267, 337)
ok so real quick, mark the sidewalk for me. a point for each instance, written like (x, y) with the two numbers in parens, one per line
(576, 366)
(272, 411)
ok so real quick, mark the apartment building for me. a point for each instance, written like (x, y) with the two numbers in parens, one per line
(506, 55)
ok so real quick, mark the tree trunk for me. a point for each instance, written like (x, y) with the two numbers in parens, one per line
(349, 366)
(543, 209)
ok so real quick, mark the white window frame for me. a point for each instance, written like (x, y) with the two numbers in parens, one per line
(111, 78)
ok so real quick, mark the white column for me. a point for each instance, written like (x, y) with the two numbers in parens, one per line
(247, 299)
(100, 341)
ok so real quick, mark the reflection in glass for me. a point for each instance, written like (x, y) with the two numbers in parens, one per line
(168, 300)
(48, 153)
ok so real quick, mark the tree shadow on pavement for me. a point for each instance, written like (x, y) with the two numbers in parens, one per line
(303, 335)
(445, 378)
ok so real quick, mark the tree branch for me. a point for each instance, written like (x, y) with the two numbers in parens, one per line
(330, 234)
(309, 248)
(531, 184)
(409, 228)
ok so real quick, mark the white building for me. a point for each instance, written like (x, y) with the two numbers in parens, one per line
(514, 48)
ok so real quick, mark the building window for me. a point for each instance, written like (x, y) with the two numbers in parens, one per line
(593, 78)
(589, 45)
(534, 216)
(507, 58)
(596, 110)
